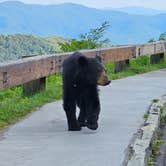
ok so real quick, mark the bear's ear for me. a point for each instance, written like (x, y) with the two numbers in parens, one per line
(98, 58)
(82, 60)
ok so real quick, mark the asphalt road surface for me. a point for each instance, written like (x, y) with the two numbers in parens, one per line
(42, 139)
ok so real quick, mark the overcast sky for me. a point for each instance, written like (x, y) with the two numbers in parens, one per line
(156, 4)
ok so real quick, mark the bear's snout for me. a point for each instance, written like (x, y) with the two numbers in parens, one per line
(108, 82)
(103, 79)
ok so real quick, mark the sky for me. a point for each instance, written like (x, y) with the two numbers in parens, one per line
(155, 4)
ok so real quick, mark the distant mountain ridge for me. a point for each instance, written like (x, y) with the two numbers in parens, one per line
(139, 10)
(69, 20)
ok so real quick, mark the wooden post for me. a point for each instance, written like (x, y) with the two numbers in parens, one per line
(156, 58)
(121, 65)
(127, 62)
(32, 87)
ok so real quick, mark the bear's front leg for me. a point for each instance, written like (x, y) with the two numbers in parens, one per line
(70, 109)
(93, 111)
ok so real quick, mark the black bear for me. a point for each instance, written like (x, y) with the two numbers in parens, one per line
(81, 75)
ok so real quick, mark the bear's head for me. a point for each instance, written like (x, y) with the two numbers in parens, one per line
(102, 76)
(93, 70)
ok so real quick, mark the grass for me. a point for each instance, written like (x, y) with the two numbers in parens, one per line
(163, 116)
(156, 146)
(14, 106)
(155, 151)
(146, 116)
(163, 120)
(137, 66)
(150, 161)
(158, 141)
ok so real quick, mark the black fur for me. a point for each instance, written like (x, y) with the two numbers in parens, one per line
(80, 76)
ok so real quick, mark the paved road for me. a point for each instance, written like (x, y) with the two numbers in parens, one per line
(42, 138)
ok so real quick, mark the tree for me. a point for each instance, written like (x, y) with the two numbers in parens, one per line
(73, 45)
(151, 40)
(162, 36)
(95, 36)
(93, 39)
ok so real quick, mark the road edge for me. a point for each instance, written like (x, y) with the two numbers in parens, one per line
(139, 149)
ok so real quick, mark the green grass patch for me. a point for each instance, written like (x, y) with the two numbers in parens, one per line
(163, 115)
(146, 116)
(150, 161)
(163, 120)
(158, 141)
(156, 146)
(14, 106)
(155, 150)
(137, 66)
